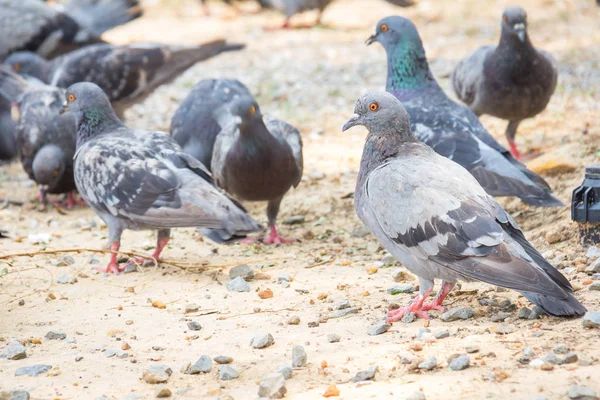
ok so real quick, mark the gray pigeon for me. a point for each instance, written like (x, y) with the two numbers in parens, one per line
(203, 113)
(452, 130)
(8, 128)
(34, 26)
(45, 139)
(258, 160)
(432, 215)
(127, 74)
(512, 81)
(143, 180)
(292, 7)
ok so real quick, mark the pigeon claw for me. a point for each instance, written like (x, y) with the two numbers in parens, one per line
(275, 239)
(398, 314)
(111, 268)
(433, 305)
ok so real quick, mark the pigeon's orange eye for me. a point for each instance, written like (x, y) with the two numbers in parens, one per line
(71, 97)
(17, 67)
(505, 19)
(252, 110)
(373, 106)
(384, 28)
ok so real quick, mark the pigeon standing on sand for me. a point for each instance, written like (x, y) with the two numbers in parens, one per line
(452, 130)
(45, 139)
(258, 160)
(143, 180)
(203, 113)
(127, 74)
(432, 215)
(34, 26)
(512, 81)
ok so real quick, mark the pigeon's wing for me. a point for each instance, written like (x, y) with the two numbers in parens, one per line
(452, 222)
(223, 143)
(99, 16)
(287, 133)
(554, 66)
(468, 74)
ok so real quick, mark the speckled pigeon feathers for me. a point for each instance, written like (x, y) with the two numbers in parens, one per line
(33, 25)
(203, 113)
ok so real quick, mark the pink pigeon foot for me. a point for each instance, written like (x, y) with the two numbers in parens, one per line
(274, 237)
(72, 201)
(160, 245)
(436, 304)
(112, 267)
(415, 306)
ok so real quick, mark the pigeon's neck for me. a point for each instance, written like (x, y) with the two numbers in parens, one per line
(511, 45)
(255, 139)
(95, 121)
(384, 144)
(408, 69)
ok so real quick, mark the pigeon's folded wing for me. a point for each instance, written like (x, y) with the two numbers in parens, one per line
(287, 133)
(468, 74)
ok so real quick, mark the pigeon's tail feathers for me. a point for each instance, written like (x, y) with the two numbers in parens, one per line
(546, 199)
(221, 236)
(233, 47)
(568, 306)
(99, 16)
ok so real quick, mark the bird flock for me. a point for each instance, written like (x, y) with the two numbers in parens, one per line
(428, 172)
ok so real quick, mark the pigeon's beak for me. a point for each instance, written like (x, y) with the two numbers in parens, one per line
(371, 39)
(520, 30)
(15, 113)
(65, 108)
(521, 35)
(353, 121)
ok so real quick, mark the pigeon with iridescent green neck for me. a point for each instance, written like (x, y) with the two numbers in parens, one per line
(450, 129)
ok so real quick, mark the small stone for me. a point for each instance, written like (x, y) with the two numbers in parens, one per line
(238, 285)
(457, 313)
(130, 268)
(422, 333)
(265, 294)
(55, 335)
(472, 349)
(333, 338)
(578, 392)
(389, 260)
(294, 320)
(313, 324)
(223, 360)
(441, 334)
(14, 351)
(536, 363)
(163, 392)
(332, 391)
(342, 313)
(109, 353)
(298, 356)
(418, 395)
(528, 352)
(242, 271)
(78, 358)
(536, 312)
(191, 308)
(203, 365)
(365, 375)
(294, 220)
(591, 319)
(262, 340)
(409, 317)
(228, 373)
(593, 267)
(546, 366)
(595, 286)
(194, 326)
(460, 363)
(157, 373)
(33, 370)
(286, 371)
(504, 329)
(585, 361)
(569, 358)
(342, 305)
(428, 365)
(66, 279)
(560, 348)
(406, 358)
(523, 313)
(15, 395)
(500, 317)
(379, 328)
(284, 277)
(401, 288)
(551, 358)
(272, 386)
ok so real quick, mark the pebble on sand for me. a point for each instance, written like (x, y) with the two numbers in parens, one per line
(591, 319)
(163, 392)
(14, 351)
(365, 375)
(299, 356)
(262, 340)
(238, 285)
(14, 395)
(194, 326)
(379, 328)
(457, 313)
(333, 338)
(244, 271)
(55, 335)
(157, 373)
(578, 392)
(203, 365)
(294, 320)
(66, 279)
(401, 288)
(461, 362)
(228, 373)
(286, 370)
(272, 386)
(418, 395)
(429, 364)
(223, 360)
(504, 329)
(342, 313)
(33, 370)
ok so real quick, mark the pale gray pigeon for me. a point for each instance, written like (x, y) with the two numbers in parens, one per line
(431, 214)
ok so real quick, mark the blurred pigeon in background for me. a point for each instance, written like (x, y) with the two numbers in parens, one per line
(8, 129)
(292, 7)
(127, 73)
(143, 180)
(34, 26)
(258, 160)
(450, 129)
(512, 81)
(432, 215)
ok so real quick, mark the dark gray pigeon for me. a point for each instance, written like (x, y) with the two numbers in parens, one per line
(512, 81)
(143, 180)
(258, 160)
(45, 139)
(34, 26)
(8, 129)
(127, 74)
(203, 113)
(452, 130)
(432, 215)
(292, 7)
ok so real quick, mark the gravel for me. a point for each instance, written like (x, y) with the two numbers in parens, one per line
(294, 320)
(191, 308)
(505, 329)
(223, 360)
(428, 365)
(441, 334)
(365, 375)
(262, 340)
(55, 335)
(460, 363)
(333, 338)
(157, 373)
(284, 277)
(65, 279)
(591, 319)
(457, 313)
(401, 288)
(560, 348)
(569, 358)
(194, 326)
(228, 373)
(238, 285)
(272, 386)
(203, 365)
(379, 328)
(342, 313)
(15, 395)
(523, 313)
(163, 392)
(294, 220)
(286, 370)
(243, 271)
(14, 351)
(418, 395)
(33, 370)
(342, 305)
(299, 356)
(578, 392)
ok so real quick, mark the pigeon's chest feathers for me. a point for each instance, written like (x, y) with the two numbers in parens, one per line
(408, 69)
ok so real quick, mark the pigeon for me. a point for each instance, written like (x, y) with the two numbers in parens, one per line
(451, 129)
(433, 215)
(262, 3)
(291, 7)
(512, 81)
(136, 179)
(198, 119)
(258, 159)
(126, 73)
(32, 25)
(45, 139)
(8, 127)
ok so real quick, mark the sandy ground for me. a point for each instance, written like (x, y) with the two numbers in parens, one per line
(311, 78)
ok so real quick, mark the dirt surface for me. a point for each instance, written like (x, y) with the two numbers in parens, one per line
(311, 78)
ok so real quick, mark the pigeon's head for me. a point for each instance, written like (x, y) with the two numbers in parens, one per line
(88, 103)
(395, 30)
(514, 21)
(28, 63)
(245, 110)
(379, 112)
(49, 167)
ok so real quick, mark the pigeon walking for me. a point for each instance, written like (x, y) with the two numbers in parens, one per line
(432, 215)
(258, 160)
(143, 180)
(452, 130)
(34, 26)
(203, 114)
(127, 74)
(45, 139)
(512, 81)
